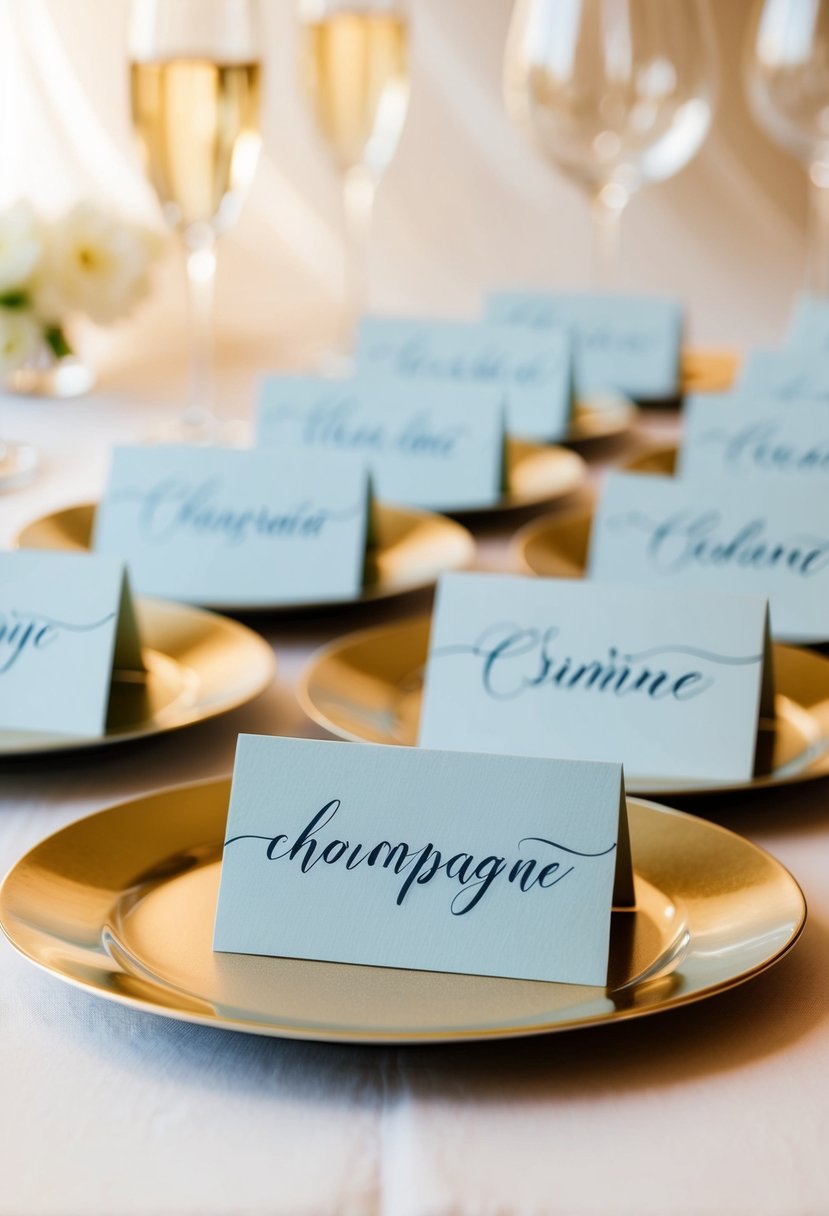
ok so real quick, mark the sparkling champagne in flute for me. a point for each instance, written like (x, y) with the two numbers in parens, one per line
(195, 81)
(617, 93)
(356, 75)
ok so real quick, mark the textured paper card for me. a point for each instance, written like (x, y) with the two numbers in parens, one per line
(737, 438)
(532, 368)
(630, 344)
(438, 446)
(766, 537)
(66, 621)
(217, 525)
(435, 861)
(669, 684)
(809, 327)
(785, 377)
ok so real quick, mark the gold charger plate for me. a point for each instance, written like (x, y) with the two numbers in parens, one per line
(708, 371)
(536, 473)
(198, 665)
(122, 904)
(367, 687)
(601, 416)
(411, 549)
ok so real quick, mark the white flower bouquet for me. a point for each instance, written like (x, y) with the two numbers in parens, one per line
(88, 262)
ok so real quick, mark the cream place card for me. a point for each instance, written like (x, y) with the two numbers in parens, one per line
(768, 537)
(533, 369)
(671, 684)
(438, 446)
(66, 622)
(218, 525)
(725, 435)
(628, 344)
(785, 377)
(432, 861)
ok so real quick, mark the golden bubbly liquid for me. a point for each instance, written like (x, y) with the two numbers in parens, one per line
(358, 79)
(198, 123)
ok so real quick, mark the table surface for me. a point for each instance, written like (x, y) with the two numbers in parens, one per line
(719, 1107)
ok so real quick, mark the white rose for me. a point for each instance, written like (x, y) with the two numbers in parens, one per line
(20, 338)
(93, 263)
(20, 246)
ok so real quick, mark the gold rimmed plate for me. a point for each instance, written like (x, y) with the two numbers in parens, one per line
(367, 687)
(122, 905)
(600, 416)
(198, 665)
(536, 473)
(411, 548)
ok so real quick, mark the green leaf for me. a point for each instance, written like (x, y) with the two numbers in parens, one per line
(56, 339)
(15, 298)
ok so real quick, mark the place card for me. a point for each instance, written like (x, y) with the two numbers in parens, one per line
(809, 326)
(212, 525)
(670, 684)
(66, 623)
(433, 861)
(534, 370)
(438, 446)
(785, 377)
(626, 344)
(766, 537)
(728, 435)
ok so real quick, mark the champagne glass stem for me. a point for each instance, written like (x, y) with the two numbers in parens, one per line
(608, 204)
(359, 188)
(817, 268)
(201, 279)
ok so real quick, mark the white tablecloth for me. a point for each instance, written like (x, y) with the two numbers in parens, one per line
(715, 1108)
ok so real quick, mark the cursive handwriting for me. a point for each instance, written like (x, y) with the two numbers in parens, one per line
(515, 660)
(760, 444)
(337, 424)
(689, 538)
(22, 632)
(413, 358)
(424, 863)
(176, 505)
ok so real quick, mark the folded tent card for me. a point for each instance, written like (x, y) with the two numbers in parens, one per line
(765, 537)
(671, 684)
(533, 369)
(434, 861)
(67, 622)
(438, 446)
(785, 377)
(732, 436)
(217, 525)
(809, 325)
(625, 344)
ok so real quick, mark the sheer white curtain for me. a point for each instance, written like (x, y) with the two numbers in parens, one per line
(465, 207)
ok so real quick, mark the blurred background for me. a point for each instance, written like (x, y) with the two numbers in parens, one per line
(466, 206)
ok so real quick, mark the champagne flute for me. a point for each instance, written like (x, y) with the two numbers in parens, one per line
(617, 93)
(355, 72)
(787, 81)
(195, 80)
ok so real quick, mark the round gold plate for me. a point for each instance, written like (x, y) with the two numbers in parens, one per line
(708, 371)
(602, 416)
(411, 549)
(122, 904)
(367, 687)
(198, 665)
(536, 473)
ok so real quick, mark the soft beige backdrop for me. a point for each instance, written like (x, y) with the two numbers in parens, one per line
(466, 206)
